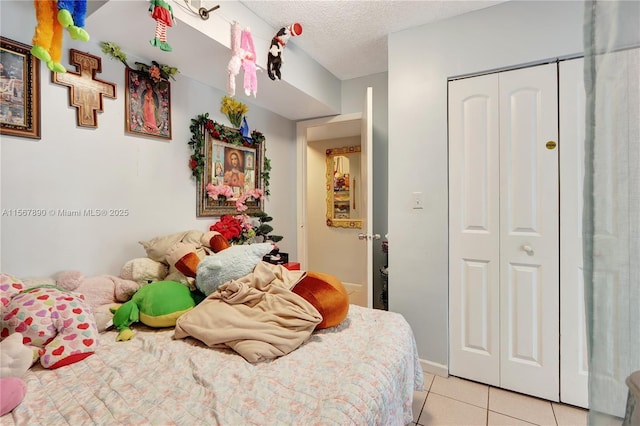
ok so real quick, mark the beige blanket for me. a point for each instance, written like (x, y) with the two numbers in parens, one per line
(258, 315)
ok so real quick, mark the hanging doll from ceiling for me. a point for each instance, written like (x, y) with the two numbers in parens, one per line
(235, 63)
(249, 63)
(52, 18)
(162, 12)
(274, 60)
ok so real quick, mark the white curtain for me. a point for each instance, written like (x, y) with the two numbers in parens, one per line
(612, 202)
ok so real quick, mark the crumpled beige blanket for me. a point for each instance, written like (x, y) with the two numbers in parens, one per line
(257, 315)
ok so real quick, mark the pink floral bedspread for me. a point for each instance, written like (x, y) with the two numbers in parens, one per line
(362, 372)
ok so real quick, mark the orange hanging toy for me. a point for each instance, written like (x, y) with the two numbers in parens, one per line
(52, 17)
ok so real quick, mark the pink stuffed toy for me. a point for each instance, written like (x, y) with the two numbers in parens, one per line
(249, 63)
(101, 292)
(56, 322)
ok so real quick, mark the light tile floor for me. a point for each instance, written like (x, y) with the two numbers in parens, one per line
(454, 401)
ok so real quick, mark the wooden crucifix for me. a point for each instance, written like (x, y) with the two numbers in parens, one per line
(85, 91)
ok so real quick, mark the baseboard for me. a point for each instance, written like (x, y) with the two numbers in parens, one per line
(434, 368)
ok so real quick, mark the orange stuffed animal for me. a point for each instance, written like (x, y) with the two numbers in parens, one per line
(52, 17)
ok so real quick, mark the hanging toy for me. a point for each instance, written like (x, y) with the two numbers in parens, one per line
(52, 18)
(249, 63)
(236, 59)
(274, 60)
(162, 12)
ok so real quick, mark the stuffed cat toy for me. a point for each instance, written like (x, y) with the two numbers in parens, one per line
(274, 60)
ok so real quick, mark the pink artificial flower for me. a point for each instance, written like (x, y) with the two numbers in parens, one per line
(240, 203)
(218, 191)
(256, 193)
(154, 72)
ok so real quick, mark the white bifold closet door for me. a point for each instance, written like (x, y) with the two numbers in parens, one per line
(574, 366)
(504, 231)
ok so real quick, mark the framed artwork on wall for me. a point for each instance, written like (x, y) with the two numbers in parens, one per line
(237, 167)
(86, 91)
(19, 90)
(147, 105)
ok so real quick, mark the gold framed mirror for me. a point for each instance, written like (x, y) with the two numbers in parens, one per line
(344, 201)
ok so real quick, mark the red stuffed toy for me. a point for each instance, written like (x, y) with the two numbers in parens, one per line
(162, 12)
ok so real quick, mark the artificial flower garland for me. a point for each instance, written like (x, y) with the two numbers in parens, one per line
(158, 73)
(201, 124)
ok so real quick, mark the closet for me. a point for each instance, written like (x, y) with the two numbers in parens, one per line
(506, 244)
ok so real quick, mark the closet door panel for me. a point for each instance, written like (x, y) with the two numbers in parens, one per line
(474, 229)
(529, 231)
(574, 368)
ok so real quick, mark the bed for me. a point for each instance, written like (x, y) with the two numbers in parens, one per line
(361, 372)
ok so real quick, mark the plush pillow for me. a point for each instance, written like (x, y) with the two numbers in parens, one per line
(327, 294)
(157, 248)
(229, 264)
(15, 357)
(12, 392)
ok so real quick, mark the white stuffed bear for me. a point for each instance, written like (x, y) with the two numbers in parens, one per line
(15, 360)
(144, 270)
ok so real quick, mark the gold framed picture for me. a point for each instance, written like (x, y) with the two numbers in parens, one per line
(19, 90)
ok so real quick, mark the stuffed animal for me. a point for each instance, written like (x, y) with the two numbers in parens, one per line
(144, 270)
(211, 272)
(161, 11)
(249, 63)
(206, 243)
(274, 59)
(324, 291)
(235, 63)
(101, 292)
(158, 304)
(56, 322)
(15, 360)
(52, 17)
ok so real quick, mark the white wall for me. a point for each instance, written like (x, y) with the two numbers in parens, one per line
(77, 168)
(420, 61)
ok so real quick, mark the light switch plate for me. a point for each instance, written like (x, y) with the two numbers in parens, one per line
(417, 200)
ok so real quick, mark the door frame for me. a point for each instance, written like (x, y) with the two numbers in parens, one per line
(302, 143)
(301, 168)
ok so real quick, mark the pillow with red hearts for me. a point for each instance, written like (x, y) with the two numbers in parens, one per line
(59, 324)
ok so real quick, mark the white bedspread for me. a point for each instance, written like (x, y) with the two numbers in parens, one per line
(362, 372)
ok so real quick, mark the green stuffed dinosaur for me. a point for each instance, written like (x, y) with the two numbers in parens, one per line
(157, 304)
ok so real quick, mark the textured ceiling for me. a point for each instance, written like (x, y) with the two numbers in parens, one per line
(349, 38)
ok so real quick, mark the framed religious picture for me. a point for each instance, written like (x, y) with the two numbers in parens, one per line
(147, 105)
(232, 171)
(19, 90)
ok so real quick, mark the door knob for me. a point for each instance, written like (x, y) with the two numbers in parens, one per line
(527, 249)
(368, 237)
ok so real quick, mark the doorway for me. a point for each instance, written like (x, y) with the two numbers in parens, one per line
(346, 253)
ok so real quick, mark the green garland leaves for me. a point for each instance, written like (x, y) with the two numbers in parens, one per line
(201, 124)
(158, 73)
